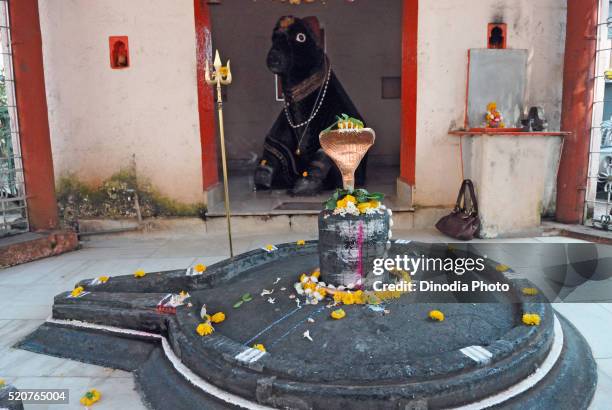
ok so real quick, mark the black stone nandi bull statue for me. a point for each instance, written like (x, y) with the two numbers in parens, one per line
(292, 157)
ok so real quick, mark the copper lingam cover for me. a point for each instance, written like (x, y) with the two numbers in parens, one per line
(347, 148)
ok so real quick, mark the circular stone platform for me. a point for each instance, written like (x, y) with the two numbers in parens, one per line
(387, 356)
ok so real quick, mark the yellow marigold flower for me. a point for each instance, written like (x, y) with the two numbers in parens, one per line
(139, 273)
(204, 329)
(199, 268)
(218, 317)
(269, 247)
(305, 174)
(502, 268)
(363, 207)
(348, 298)
(321, 291)
(338, 314)
(350, 198)
(341, 203)
(103, 279)
(259, 346)
(529, 291)
(182, 293)
(90, 397)
(359, 297)
(309, 285)
(301, 242)
(531, 319)
(77, 291)
(436, 315)
(338, 297)
(316, 273)
(374, 203)
(303, 278)
(2, 382)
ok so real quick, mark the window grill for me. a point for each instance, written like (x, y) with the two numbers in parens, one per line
(13, 207)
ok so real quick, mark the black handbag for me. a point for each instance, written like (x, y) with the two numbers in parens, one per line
(463, 222)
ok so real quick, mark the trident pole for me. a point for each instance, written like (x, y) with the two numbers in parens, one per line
(222, 76)
(224, 164)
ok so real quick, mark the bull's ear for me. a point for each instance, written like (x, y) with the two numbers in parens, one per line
(312, 22)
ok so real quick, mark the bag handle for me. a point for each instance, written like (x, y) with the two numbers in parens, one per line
(458, 207)
(467, 187)
(473, 198)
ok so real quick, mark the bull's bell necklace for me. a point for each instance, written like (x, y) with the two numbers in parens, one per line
(315, 109)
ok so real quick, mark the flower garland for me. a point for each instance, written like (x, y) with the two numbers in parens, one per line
(355, 202)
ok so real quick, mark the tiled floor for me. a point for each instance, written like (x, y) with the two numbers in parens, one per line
(26, 295)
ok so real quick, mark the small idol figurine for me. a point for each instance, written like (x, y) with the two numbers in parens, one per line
(494, 118)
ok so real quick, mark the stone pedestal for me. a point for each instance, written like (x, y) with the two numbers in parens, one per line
(515, 176)
(349, 244)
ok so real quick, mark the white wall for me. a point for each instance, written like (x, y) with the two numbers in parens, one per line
(447, 29)
(99, 117)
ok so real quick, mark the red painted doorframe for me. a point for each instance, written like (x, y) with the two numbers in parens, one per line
(206, 103)
(32, 112)
(577, 109)
(410, 29)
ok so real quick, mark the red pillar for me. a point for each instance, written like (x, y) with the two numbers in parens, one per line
(577, 110)
(206, 103)
(32, 112)
(410, 28)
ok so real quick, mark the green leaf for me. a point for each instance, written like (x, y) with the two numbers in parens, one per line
(247, 297)
(238, 304)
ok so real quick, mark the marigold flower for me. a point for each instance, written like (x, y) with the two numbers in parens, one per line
(321, 291)
(305, 174)
(309, 285)
(139, 273)
(436, 315)
(300, 242)
(77, 291)
(218, 317)
(359, 297)
(350, 198)
(90, 397)
(200, 268)
(502, 268)
(338, 297)
(531, 319)
(259, 346)
(103, 279)
(2, 382)
(316, 273)
(363, 207)
(529, 291)
(270, 247)
(205, 329)
(338, 314)
(348, 298)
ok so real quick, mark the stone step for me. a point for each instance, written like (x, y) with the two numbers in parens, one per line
(306, 222)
